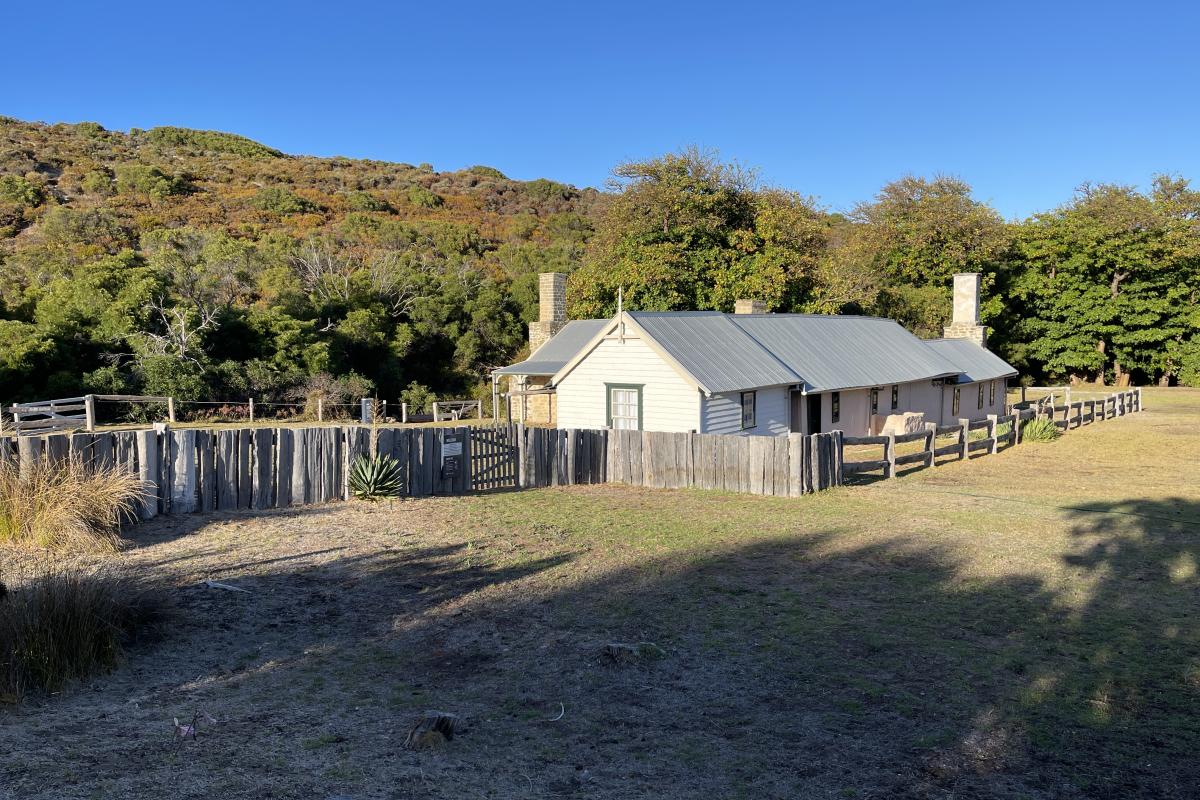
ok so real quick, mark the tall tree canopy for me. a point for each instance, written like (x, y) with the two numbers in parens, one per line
(205, 265)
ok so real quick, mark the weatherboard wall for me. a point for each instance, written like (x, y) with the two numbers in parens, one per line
(722, 413)
(669, 403)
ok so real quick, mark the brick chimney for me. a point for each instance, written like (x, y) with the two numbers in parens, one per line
(965, 322)
(552, 309)
(749, 306)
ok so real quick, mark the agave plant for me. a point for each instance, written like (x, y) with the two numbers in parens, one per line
(1040, 430)
(375, 477)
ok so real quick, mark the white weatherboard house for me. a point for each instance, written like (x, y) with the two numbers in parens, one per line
(755, 373)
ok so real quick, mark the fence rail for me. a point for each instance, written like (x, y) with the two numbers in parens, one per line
(190, 469)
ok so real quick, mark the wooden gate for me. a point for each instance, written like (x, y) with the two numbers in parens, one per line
(494, 457)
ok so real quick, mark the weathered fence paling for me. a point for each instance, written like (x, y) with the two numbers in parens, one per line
(259, 468)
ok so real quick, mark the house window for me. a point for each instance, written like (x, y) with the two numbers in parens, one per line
(954, 402)
(835, 407)
(992, 393)
(874, 401)
(981, 395)
(624, 402)
(748, 410)
(895, 397)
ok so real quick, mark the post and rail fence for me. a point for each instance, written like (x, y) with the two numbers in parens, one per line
(194, 469)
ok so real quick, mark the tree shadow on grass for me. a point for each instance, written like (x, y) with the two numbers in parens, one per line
(793, 667)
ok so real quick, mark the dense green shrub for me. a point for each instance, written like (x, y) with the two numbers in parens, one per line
(15, 189)
(423, 198)
(281, 201)
(487, 172)
(365, 201)
(148, 180)
(211, 141)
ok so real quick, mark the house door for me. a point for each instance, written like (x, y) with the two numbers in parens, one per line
(814, 413)
(796, 415)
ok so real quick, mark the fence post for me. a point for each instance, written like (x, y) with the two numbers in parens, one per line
(931, 442)
(383, 409)
(890, 455)
(1137, 399)
(252, 409)
(992, 420)
(404, 412)
(89, 410)
(435, 411)
(170, 409)
(962, 437)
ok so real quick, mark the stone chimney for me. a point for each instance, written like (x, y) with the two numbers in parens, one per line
(552, 309)
(965, 322)
(750, 307)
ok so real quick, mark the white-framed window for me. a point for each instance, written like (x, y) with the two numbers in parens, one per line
(835, 407)
(874, 401)
(749, 410)
(624, 406)
(981, 395)
(992, 393)
(895, 396)
(954, 404)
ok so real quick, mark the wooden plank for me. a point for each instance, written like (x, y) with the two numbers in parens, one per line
(125, 444)
(103, 451)
(732, 465)
(183, 470)
(262, 452)
(401, 445)
(855, 467)
(29, 452)
(284, 449)
(227, 469)
(332, 465)
(795, 450)
(779, 482)
(912, 458)
(889, 455)
(299, 462)
(147, 458)
(206, 471)
(314, 486)
(56, 449)
(245, 472)
(166, 464)
(81, 449)
(979, 444)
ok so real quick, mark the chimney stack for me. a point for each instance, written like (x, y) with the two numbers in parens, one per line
(552, 309)
(964, 324)
(750, 307)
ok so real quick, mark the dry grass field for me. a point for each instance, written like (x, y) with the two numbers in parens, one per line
(1020, 626)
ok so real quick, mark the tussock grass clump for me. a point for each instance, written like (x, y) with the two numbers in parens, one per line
(1040, 430)
(65, 623)
(66, 506)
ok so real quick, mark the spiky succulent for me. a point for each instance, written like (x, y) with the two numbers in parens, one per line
(375, 478)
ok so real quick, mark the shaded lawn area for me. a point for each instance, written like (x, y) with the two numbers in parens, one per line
(1019, 626)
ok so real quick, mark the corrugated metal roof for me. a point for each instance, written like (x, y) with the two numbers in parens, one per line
(561, 348)
(844, 352)
(717, 353)
(974, 363)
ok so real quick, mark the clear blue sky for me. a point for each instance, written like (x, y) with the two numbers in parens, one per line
(1023, 100)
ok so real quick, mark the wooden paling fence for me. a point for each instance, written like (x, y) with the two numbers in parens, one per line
(227, 469)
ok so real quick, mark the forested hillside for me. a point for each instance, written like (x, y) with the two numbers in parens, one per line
(206, 265)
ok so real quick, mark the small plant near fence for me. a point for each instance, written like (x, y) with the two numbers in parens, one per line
(66, 506)
(63, 624)
(1040, 430)
(375, 476)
